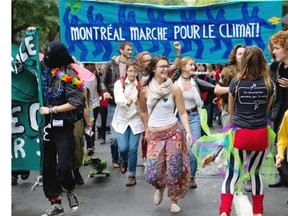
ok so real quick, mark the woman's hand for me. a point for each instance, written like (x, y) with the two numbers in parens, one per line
(107, 95)
(129, 102)
(278, 162)
(283, 82)
(45, 110)
(189, 139)
(207, 160)
(146, 134)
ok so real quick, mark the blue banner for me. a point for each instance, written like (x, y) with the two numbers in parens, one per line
(93, 30)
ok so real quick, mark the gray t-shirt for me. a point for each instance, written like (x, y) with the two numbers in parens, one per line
(251, 102)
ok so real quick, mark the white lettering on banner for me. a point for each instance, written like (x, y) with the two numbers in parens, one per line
(30, 49)
(16, 126)
(205, 31)
(96, 33)
(32, 113)
(186, 32)
(248, 30)
(209, 32)
(156, 33)
(18, 145)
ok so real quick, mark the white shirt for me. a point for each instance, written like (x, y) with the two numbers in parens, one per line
(125, 116)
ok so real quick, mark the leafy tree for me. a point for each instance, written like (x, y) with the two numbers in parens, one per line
(42, 14)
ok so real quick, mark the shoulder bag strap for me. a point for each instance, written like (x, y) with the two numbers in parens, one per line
(152, 109)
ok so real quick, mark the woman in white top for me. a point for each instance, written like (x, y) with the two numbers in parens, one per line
(127, 122)
(167, 154)
(143, 59)
(193, 101)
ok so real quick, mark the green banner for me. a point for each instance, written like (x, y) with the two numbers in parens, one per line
(25, 146)
(25, 137)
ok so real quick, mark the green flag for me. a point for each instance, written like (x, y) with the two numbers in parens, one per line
(26, 96)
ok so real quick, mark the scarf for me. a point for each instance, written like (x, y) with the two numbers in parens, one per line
(130, 90)
(157, 90)
(195, 91)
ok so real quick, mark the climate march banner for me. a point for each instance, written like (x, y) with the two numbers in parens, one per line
(93, 30)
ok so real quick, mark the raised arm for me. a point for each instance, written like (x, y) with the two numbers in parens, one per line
(177, 47)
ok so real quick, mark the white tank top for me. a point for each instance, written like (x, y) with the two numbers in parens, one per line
(189, 99)
(163, 113)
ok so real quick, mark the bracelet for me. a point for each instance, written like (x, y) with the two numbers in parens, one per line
(50, 110)
(54, 109)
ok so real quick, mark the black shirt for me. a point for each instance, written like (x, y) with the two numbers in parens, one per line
(251, 101)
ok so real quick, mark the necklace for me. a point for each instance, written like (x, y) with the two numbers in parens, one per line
(62, 76)
(186, 78)
(49, 94)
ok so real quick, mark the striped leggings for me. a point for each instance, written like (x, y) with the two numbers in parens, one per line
(239, 161)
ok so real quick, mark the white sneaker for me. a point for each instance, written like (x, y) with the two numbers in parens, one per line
(175, 208)
(158, 196)
(73, 201)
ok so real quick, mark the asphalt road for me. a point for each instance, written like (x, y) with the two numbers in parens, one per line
(108, 196)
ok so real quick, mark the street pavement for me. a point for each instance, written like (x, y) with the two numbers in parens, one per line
(108, 196)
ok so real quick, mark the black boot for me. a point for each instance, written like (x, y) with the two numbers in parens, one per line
(78, 178)
(280, 183)
(25, 175)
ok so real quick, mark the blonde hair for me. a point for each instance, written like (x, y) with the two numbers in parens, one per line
(183, 61)
(139, 56)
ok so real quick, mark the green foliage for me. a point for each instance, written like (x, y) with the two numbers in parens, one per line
(155, 2)
(42, 14)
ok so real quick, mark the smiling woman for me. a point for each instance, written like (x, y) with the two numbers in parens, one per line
(126, 120)
(167, 154)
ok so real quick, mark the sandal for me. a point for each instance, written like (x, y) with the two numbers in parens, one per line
(124, 167)
(131, 181)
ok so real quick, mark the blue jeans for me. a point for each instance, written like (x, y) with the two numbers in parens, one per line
(113, 141)
(195, 127)
(128, 148)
